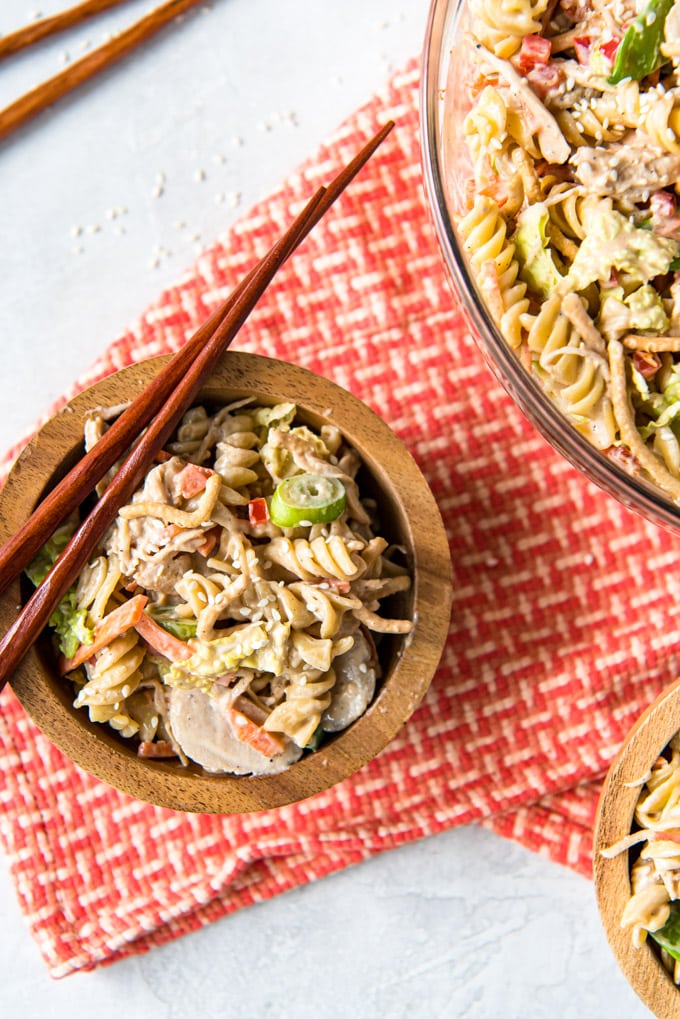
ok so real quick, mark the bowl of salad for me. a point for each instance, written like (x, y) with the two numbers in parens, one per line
(637, 856)
(551, 152)
(262, 616)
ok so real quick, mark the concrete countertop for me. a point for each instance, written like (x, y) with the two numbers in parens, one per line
(106, 198)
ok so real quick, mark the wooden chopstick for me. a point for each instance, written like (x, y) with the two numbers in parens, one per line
(37, 611)
(27, 36)
(66, 496)
(43, 95)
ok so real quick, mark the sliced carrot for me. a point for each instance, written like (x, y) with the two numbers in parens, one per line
(156, 748)
(192, 479)
(111, 626)
(160, 641)
(162, 456)
(209, 542)
(254, 735)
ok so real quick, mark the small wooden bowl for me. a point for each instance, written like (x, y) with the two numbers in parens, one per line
(408, 515)
(649, 736)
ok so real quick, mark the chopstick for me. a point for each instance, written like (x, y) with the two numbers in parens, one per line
(43, 95)
(24, 37)
(38, 609)
(66, 496)
(185, 373)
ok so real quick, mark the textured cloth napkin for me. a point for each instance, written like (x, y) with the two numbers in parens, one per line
(563, 625)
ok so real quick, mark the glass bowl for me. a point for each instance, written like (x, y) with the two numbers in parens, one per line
(447, 169)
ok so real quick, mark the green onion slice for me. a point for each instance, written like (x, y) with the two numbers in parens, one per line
(307, 499)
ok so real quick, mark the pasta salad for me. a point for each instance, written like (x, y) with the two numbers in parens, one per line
(571, 220)
(231, 615)
(653, 909)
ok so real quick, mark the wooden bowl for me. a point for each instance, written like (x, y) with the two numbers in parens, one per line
(646, 740)
(408, 515)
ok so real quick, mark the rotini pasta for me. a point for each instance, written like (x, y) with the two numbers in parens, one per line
(570, 222)
(218, 621)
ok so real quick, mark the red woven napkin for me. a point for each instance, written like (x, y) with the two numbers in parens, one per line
(564, 608)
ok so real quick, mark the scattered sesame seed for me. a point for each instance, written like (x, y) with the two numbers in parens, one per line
(157, 191)
(93, 228)
(76, 231)
(234, 199)
(236, 140)
(219, 158)
(219, 198)
(179, 224)
(199, 175)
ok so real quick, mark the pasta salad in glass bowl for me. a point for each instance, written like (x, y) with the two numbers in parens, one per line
(261, 616)
(551, 150)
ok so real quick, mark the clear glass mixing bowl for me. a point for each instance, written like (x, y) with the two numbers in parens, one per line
(446, 170)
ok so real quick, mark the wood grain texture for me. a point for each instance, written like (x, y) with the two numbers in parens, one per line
(48, 26)
(648, 737)
(409, 663)
(39, 98)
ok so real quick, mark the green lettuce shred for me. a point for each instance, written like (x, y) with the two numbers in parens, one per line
(165, 616)
(68, 621)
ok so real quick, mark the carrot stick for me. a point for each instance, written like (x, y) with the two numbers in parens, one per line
(160, 640)
(111, 626)
(254, 735)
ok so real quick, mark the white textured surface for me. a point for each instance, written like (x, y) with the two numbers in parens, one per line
(459, 925)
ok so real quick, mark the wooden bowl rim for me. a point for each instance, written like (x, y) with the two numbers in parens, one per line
(647, 738)
(92, 748)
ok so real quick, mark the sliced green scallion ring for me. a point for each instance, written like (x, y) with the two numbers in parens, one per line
(307, 499)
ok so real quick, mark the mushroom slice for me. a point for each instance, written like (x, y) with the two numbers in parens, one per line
(355, 674)
(202, 727)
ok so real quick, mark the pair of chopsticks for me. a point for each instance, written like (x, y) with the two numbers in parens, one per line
(158, 410)
(48, 92)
